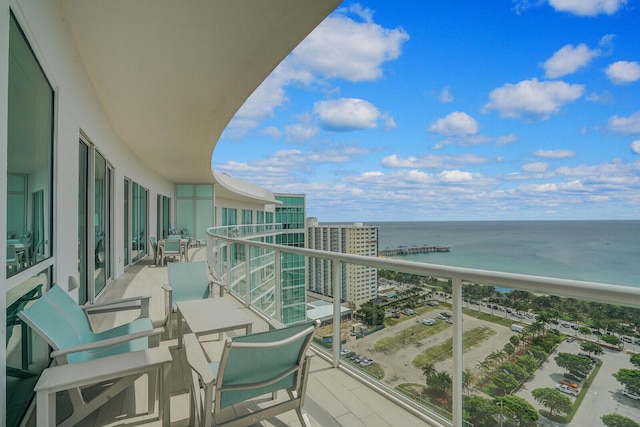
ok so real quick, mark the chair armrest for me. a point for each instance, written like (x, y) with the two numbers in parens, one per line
(132, 303)
(168, 298)
(110, 342)
(197, 359)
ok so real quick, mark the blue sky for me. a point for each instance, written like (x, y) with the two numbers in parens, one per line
(452, 110)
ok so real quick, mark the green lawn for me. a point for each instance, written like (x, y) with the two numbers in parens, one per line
(443, 351)
(408, 336)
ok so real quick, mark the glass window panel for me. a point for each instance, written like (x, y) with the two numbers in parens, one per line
(184, 190)
(185, 215)
(29, 148)
(204, 191)
(204, 218)
(83, 182)
(100, 216)
(127, 184)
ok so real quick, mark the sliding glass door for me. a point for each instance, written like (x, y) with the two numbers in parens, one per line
(94, 222)
(136, 205)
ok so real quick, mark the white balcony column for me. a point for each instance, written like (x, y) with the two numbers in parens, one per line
(456, 393)
(277, 282)
(337, 326)
(228, 245)
(248, 277)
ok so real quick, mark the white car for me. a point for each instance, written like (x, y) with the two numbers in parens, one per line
(568, 390)
(630, 394)
(428, 322)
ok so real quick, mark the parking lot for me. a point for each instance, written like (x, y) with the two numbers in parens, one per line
(603, 397)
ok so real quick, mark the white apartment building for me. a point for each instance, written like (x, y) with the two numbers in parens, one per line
(359, 283)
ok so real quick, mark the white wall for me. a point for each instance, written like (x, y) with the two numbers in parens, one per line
(77, 108)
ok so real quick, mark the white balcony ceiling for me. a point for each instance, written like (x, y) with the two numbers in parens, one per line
(171, 74)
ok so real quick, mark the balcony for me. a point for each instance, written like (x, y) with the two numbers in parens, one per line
(343, 393)
(333, 397)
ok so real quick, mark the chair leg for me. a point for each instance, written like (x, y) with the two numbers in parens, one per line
(303, 417)
(152, 391)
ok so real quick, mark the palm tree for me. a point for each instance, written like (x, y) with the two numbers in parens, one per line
(442, 382)
(429, 371)
(468, 378)
(484, 366)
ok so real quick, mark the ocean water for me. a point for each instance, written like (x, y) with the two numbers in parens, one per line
(596, 251)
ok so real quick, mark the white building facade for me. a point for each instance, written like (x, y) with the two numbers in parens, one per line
(359, 283)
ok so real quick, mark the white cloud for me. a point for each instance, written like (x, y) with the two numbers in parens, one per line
(635, 146)
(445, 96)
(456, 176)
(555, 154)
(434, 161)
(344, 47)
(600, 98)
(455, 124)
(536, 167)
(623, 72)
(341, 47)
(238, 128)
(272, 131)
(531, 98)
(568, 60)
(615, 172)
(300, 132)
(347, 114)
(588, 7)
(627, 125)
(389, 122)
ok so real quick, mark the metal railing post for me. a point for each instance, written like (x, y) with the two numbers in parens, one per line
(247, 273)
(277, 279)
(456, 393)
(337, 326)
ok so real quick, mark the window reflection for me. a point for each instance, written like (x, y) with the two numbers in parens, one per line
(29, 167)
(27, 353)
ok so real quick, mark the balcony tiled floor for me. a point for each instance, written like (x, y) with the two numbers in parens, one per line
(333, 397)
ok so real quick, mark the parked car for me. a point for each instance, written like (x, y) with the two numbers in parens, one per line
(568, 390)
(575, 327)
(590, 357)
(570, 376)
(570, 339)
(568, 383)
(428, 322)
(578, 374)
(629, 393)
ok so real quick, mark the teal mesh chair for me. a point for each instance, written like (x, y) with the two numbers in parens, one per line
(188, 281)
(65, 326)
(171, 248)
(251, 366)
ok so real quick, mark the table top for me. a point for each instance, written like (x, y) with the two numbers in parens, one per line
(212, 315)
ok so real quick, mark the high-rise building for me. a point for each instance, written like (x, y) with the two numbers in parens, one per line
(359, 283)
(291, 214)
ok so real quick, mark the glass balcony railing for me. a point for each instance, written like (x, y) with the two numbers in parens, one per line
(452, 345)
